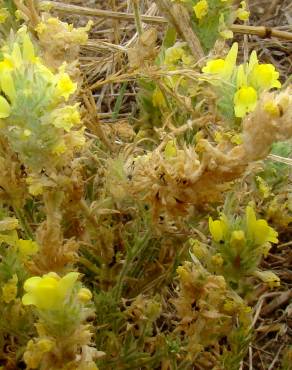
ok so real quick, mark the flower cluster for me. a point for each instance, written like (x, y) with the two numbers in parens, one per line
(202, 7)
(62, 305)
(51, 292)
(205, 300)
(241, 243)
(35, 117)
(243, 83)
(60, 41)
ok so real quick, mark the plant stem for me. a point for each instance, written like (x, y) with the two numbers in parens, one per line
(137, 15)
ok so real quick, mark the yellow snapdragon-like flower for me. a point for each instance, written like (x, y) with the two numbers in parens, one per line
(49, 292)
(27, 247)
(84, 295)
(245, 101)
(175, 54)
(242, 13)
(268, 277)
(66, 117)
(223, 68)
(170, 150)
(237, 239)
(5, 108)
(35, 351)
(272, 109)
(201, 9)
(218, 228)
(265, 77)
(259, 230)
(217, 260)
(65, 86)
(7, 85)
(249, 79)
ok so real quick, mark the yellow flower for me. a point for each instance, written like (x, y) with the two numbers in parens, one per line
(198, 248)
(173, 55)
(66, 117)
(223, 68)
(27, 247)
(49, 292)
(217, 260)
(170, 149)
(59, 148)
(236, 139)
(242, 13)
(218, 228)
(259, 230)
(35, 351)
(5, 108)
(7, 85)
(264, 77)
(272, 109)
(65, 86)
(226, 34)
(40, 28)
(84, 295)
(237, 239)
(245, 101)
(28, 49)
(268, 277)
(9, 290)
(6, 65)
(201, 9)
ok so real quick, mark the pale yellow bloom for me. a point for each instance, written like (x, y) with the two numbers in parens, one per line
(27, 247)
(40, 28)
(223, 68)
(272, 108)
(170, 149)
(49, 292)
(66, 117)
(237, 239)
(84, 295)
(242, 13)
(201, 9)
(259, 230)
(217, 260)
(218, 228)
(28, 49)
(264, 77)
(268, 277)
(65, 86)
(59, 148)
(245, 101)
(7, 85)
(5, 108)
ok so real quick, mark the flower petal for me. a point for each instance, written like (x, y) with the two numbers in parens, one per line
(5, 108)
